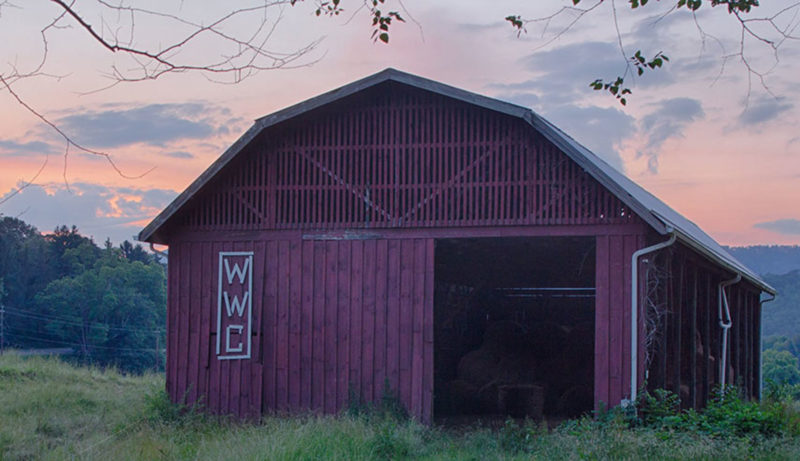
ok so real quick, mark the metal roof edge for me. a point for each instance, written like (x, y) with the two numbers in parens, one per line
(732, 265)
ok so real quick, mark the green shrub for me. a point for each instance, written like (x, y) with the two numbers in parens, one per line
(726, 415)
(659, 408)
(388, 406)
(387, 441)
(519, 438)
(159, 408)
(774, 391)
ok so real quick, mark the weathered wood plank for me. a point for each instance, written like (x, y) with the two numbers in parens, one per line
(418, 324)
(602, 328)
(381, 317)
(295, 279)
(282, 326)
(616, 306)
(306, 324)
(342, 342)
(393, 315)
(269, 327)
(404, 339)
(331, 299)
(368, 321)
(356, 319)
(195, 313)
(318, 372)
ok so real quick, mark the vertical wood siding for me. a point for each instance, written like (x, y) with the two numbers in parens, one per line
(402, 159)
(332, 320)
(612, 350)
(686, 357)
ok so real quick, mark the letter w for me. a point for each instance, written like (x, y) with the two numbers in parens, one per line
(239, 272)
(235, 305)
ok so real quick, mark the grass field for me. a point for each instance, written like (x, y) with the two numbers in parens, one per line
(51, 410)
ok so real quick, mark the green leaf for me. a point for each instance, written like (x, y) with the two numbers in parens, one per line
(384, 37)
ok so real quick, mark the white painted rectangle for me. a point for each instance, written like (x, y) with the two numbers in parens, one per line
(234, 305)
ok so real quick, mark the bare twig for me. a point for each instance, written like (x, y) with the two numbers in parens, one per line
(26, 184)
(784, 23)
(244, 54)
(546, 20)
(66, 138)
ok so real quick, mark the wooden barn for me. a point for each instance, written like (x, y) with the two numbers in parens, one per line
(398, 236)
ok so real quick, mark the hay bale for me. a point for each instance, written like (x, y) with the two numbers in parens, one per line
(521, 401)
(519, 368)
(478, 367)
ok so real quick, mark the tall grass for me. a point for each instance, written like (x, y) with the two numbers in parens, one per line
(51, 410)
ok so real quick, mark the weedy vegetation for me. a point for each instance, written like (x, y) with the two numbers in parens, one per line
(53, 410)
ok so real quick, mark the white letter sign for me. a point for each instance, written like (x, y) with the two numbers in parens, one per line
(234, 304)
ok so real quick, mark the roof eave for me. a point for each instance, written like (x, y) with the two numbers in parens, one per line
(727, 265)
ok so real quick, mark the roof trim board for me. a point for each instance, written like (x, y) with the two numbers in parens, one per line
(653, 211)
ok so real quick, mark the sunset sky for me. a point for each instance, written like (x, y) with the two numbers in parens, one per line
(703, 134)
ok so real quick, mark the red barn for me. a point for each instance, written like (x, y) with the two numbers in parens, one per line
(458, 251)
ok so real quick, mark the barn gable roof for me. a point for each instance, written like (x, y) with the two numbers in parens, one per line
(653, 211)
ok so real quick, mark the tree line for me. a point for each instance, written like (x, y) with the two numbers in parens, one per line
(61, 290)
(108, 304)
(781, 333)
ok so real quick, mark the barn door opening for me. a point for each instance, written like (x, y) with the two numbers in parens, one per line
(514, 327)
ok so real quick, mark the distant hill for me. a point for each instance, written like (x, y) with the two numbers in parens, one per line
(768, 259)
(782, 316)
(779, 265)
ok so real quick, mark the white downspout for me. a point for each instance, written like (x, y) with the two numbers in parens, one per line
(761, 345)
(635, 309)
(725, 323)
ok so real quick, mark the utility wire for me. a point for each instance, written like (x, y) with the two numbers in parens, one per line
(92, 346)
(62, 320)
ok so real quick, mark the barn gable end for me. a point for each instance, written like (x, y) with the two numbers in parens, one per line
(399, 157)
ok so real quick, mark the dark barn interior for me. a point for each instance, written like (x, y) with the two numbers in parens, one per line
(514, 327)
